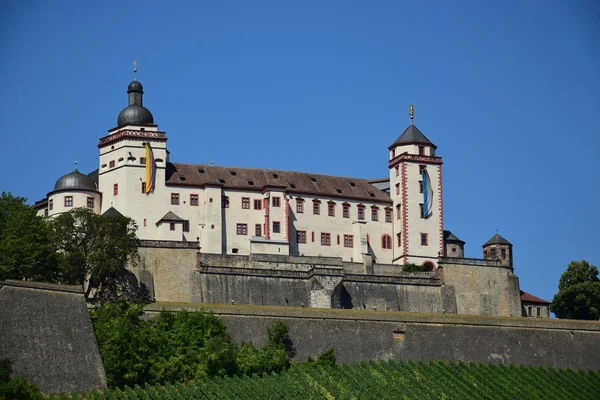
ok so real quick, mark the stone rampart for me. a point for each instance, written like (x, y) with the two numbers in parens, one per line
(379, 335)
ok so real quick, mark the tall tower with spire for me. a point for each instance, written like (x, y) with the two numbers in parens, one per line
(416, 192)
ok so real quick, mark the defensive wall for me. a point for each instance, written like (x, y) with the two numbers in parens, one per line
(383, 335)
(178, 272)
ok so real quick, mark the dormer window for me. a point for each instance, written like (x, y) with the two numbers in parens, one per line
(222, 181)
(421, 150)
(275, 176)
(233, 173)
(352, 184)
(201, 171)
(314, 180)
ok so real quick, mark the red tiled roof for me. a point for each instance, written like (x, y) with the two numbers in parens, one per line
(531, 298)
(198, 175)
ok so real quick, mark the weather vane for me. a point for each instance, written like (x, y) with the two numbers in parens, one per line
(411, 111)
(135, 64)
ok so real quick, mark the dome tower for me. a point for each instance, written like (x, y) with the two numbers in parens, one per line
(135, 113)
(74, 190)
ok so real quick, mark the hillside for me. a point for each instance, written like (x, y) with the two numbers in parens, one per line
(382, 380)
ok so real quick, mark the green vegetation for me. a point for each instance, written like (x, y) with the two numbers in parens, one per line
(380, 380)
(410, 267)
(578, 294)
(78, 247)
(16, 388)
(179, 347)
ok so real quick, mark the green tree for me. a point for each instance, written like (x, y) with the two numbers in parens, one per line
(94, 251)
(16, 388)
(26, 251)
(327, 357)
(578, 294)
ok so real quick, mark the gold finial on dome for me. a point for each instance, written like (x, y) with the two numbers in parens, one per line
(411, 111)
(135, 64)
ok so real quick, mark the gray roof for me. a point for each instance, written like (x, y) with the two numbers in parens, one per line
(46, 331)
(135, 113)
(75, 181)
(497, 239)
(412, 135)
(450, 237)
(112, 212)
(171, 217)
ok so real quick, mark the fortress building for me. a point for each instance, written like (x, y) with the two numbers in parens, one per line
(262, 236)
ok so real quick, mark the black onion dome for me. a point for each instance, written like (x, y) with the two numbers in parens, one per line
(75, 181)
(135, 113)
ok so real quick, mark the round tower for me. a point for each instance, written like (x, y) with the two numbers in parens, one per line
(74, 190)
(498, 248)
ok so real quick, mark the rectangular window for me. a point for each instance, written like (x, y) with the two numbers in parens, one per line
(145, 222)
(246, 203)
(194, 201)
(276, 201)
(539, 311)
(316, 208)
(493, 254)
(186, 226)
(301, 236)
(361, 212)
(50, 204)
(90, 202)
(258, 205)
(175, 199)
(397, 170)
(421, 150)
(331, 209)
(45, 212)
(421, 168)
(115, 189)
(325, 239)
(172, 226)
(422, 210)
(420, 186)
(313, 236)
(258, 230)
(143, 187)
(503, 254)
(143, 160)
(529, 310)
(224, 201)
(242, 229)
(348, 241)
(276, 227)
(300, 206)
(346, 211)
(388, 215)
(374, 214)
(397, 188)
(423, 239)
(398, 212)
(111, 164)
(399, 238)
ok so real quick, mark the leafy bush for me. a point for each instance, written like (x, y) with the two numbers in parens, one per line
(16, 388)
(410, 267)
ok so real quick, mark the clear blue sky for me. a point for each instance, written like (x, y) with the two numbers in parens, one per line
(508, 91)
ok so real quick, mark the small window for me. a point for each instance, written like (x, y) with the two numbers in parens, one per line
(325, 239)
(397, 188)
(242, 229)
(503, 254)
(352, 184)
(331, 209)
(250, 183)
(292, 186)
(275, 176)
(276, 227)
(301, 236)
(388, 215)
(374, 214)
(346, 210)
(314, 180)
(186, 226)
(200, 171)
(348, 241)
(45, 212)
(420, 186)
(529, 310)
(246, 203)
(313, 236)
(145, 222)
(386, 242)
(111, 164)
(222, 181)
(172, 226)
(194, 200)
(224, 201)
(361, 212)
(90, 202)
(143, 187)
(398, 211)
(182, 179)
(143, 160)
(423, 239)
(494, 254)
(338, 190)
(175, 199)
(115, 189)
(50, 204)
(299, 206)
(422, 210)
(276, 202)
(538, 311)
(421, 150)
(258, 230)
(399, 239)
(233, 173)
(454, 250)
(397, 170)
(257, 205)
(316, 208)
(371, 194)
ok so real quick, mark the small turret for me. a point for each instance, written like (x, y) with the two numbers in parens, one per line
(453, 246)
(498, 248)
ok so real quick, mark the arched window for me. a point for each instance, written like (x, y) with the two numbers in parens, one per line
(386, 242)
(428, 266)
